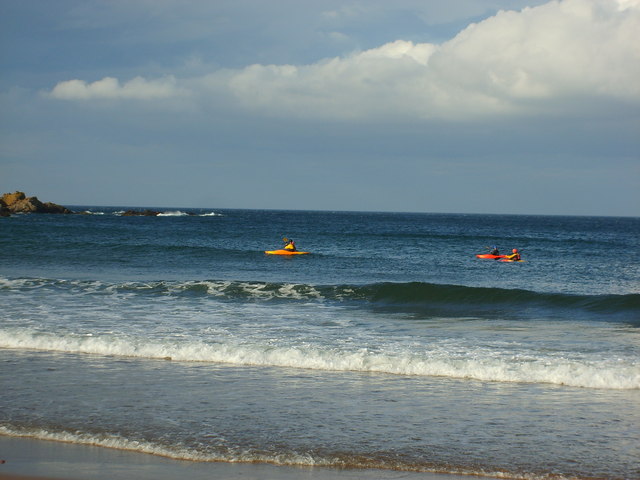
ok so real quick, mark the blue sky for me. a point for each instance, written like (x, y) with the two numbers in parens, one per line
(465, 106)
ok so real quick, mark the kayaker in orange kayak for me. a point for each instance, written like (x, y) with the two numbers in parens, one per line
(289, 244)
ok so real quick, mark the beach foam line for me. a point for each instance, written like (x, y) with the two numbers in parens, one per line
(477, 365)
(367, 467)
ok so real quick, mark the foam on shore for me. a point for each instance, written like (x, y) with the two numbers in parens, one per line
(55, 460)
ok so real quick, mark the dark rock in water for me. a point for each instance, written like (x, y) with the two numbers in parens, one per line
(18, 202)
(50, 207)
(144, 213)
(4, 211)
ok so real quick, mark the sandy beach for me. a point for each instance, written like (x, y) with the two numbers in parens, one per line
(35, 459)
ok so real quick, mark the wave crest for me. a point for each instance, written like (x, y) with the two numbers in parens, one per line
(416, 297)
(478, 365)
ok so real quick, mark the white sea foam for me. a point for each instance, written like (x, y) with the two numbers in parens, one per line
(176, 452)
(237, 455)
(108, 441)
(257, 290)
(180, 213)
(17, 282)
(175, 213)
(478, 365)
(221, 288)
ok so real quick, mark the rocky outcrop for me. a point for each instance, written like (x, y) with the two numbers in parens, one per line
(18, 202)
(144, 213)
(4, 211)
(11, 198)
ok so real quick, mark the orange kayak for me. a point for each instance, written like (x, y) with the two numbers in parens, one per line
(284, 252)
(488, 255)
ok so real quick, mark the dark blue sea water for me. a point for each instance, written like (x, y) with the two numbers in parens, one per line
(389, 346)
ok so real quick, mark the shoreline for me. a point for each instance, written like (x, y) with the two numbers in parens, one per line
(30, 459)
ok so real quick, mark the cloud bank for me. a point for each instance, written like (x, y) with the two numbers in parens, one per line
(551, 58)
(110, 88)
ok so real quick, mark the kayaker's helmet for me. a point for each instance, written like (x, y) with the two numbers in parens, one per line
(515, 250)
(494, 247)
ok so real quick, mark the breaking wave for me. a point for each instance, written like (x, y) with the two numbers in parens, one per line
(417, 297)
(479, 364)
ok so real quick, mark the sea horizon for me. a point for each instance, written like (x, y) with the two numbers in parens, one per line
(314, 210)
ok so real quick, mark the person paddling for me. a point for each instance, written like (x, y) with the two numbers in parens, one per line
(515, 256)
(289, 244)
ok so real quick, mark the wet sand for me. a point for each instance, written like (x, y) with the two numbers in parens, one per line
(27, 459)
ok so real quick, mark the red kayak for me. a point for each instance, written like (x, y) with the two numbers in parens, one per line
(488, 255)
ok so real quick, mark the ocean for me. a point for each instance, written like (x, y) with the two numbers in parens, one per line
(390, 346)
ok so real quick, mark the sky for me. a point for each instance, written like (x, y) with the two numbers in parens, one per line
(464, 106)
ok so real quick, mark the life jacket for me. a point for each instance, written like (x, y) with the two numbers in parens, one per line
(290, 246)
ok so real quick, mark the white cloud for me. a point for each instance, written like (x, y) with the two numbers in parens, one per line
(624, 4)
(514, 62)
(572, 47)
(110, 88)
(379, 81)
